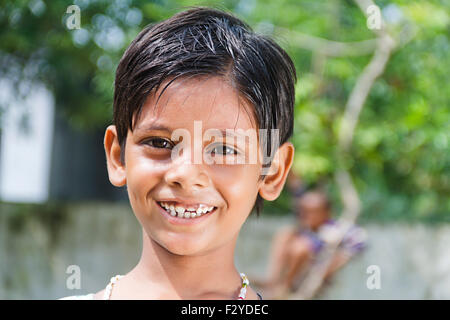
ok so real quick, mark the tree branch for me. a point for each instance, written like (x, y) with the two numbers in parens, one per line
(327, 47)
(349, 196)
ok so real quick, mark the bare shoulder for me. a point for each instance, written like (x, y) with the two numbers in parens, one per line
(99, 295)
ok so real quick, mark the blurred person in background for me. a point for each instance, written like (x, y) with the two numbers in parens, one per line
(295, 249)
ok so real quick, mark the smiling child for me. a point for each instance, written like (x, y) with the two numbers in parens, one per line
(204, 81)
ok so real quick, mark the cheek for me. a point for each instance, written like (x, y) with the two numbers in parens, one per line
(238, 185)
(143, 174)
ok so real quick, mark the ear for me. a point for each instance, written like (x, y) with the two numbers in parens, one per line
(273, 183)
(116, 169)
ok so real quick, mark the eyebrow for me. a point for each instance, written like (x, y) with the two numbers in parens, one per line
(153, 127)
(160, 127)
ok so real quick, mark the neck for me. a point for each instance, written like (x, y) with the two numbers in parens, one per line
(211, 274)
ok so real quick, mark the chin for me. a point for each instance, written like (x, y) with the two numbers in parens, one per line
(185, 250)
(183, 246)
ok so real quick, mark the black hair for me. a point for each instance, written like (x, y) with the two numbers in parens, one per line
(207, 42)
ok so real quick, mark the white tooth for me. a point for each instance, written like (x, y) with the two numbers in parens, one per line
(191, 209)
(187, 214)
(172, 207)
(198, 214)
(210, 208)
(193, 215)
(172, 213)
(200, 210)
(180, 215)
(179, 209)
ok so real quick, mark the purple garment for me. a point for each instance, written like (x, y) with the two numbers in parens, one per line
(354, 240)
(315, 242)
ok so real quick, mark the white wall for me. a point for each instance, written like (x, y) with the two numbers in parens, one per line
(25, 154)
(104, 239)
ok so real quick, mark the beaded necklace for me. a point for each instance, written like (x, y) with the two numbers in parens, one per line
(109, 287)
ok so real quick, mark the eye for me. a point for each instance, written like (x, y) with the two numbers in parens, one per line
(159, 143)
(223, 150)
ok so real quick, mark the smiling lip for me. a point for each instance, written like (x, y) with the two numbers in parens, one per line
(183, 221)
(185, 204)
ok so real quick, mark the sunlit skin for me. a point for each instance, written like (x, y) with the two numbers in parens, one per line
(195, 260)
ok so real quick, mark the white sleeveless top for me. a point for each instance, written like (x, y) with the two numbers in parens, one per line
(89, 296)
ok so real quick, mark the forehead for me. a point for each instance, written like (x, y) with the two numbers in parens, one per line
(311, 202)
(208, 99)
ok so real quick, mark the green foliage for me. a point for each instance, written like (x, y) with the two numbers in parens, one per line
(400, 157)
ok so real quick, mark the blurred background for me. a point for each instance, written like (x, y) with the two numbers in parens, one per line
(389, 84)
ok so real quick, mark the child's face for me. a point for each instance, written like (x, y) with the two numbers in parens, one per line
(312, 212)
(153, 178)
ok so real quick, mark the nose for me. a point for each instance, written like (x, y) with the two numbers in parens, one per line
(185, 175)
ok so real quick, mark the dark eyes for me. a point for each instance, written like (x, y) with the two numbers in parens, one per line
(223, 150)
(161, 143)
